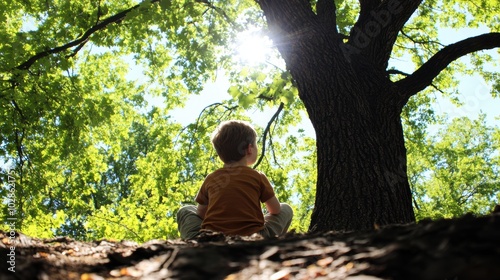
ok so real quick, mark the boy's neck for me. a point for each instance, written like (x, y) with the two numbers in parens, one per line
(234, 164)
(242, 162)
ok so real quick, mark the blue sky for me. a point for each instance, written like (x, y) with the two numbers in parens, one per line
(474, 92)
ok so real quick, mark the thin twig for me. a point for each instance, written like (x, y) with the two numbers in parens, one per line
(120, 224)
(266, 131)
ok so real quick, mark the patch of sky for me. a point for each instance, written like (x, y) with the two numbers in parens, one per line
(474, 92)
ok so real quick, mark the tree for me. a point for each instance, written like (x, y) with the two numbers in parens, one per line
(354, 105)
(461, 173)
(72, 113)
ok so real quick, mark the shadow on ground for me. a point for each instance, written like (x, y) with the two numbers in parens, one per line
(462, 248)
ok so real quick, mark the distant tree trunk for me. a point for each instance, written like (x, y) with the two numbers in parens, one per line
(355, 110)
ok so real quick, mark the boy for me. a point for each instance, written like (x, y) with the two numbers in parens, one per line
(229, 200)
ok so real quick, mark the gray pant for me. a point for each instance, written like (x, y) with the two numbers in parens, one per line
(189, 223)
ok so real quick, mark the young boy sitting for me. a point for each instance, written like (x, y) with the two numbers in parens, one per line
(229, 200)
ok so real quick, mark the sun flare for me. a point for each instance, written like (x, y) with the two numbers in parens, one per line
(252, 47)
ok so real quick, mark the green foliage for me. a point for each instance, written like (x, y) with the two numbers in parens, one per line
(92, 159)
(89, 164)
(456, 171)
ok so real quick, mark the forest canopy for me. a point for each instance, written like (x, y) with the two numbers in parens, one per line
(90, 147)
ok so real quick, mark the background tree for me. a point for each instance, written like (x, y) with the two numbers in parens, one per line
(93, 158)
(461, 172)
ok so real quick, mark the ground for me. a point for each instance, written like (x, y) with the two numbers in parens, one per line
(463, 248)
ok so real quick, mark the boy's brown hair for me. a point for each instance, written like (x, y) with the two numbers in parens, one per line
(231, 139)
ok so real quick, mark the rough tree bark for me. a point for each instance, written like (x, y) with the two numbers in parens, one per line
(354, 106)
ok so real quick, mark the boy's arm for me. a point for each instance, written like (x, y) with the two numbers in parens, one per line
(201, 210)
(273, 205)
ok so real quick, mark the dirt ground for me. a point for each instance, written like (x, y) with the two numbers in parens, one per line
(462, 248)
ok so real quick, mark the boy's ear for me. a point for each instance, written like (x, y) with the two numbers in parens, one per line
(249, 148)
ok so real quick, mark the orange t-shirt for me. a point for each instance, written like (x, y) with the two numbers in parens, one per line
(233, 196)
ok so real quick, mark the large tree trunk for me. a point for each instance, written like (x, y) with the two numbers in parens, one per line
(355, 110)
(362, 179)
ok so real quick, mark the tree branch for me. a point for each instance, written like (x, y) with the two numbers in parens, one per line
(420, 42)
(289, 21)
(396, 72)
(208, 110)
(18, 109)
(218, 10)
(423, 77)
(377, 28)
(119, 224)
(99, 25)
(266, 131)
(290, 16)
(19, 146)
(117, 18)
(326, 11)
(366, 6)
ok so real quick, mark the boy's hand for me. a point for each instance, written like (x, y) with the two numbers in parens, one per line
(201, 210)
